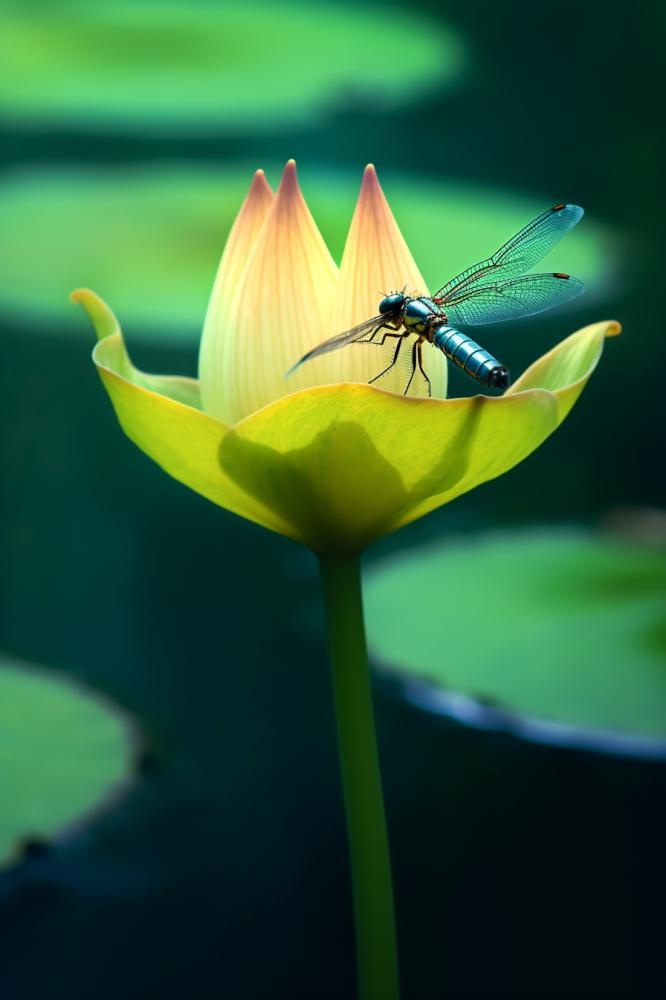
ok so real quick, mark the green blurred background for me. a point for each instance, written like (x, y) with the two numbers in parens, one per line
(192, 843)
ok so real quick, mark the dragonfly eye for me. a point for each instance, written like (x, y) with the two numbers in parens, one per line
(392, 303)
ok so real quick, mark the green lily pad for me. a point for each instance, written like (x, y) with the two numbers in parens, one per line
(63, 754)
(164, 230)
(202, 66)
(560, 626)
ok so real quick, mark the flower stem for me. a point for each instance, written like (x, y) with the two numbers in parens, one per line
(361, 780)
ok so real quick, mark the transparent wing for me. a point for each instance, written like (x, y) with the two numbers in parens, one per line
(518, 254)
(364, 331)
(513, 299)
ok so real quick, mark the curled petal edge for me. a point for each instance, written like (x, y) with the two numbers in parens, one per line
(162, 416)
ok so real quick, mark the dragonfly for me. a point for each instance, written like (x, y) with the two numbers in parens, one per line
(492, 291)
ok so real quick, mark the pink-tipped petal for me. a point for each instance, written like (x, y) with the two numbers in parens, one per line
(282, 308)
(237, 251)
(376, 261)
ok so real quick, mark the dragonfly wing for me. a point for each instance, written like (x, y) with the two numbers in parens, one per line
(518, 254)
(361, 332)
(512, 299)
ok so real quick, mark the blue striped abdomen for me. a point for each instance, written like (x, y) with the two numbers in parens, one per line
(473, 359)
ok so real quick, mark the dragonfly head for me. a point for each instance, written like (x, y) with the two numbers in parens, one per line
(393, 303)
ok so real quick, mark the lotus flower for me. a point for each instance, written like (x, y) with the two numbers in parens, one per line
(323, 457)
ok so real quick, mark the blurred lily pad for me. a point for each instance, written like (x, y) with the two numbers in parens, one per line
(562, 627)
(148, 239)
(161, 67)
(63, 754)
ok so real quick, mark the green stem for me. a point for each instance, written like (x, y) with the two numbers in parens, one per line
(361, 780)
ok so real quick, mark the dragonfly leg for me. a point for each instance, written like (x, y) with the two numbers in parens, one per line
(417, 362)
(395, 358)
(371, 338)
(419, 355)
(414, 363)
(378, 343)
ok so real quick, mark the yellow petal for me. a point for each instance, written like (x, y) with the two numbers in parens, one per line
(566, 368)
(283, 305)
(179, 388)
(239, 245)
(376, 260)
(345, 464)
(159, 414)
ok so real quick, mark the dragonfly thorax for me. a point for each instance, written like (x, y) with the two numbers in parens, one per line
(420, 314)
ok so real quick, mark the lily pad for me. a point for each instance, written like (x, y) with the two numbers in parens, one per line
(149, 239)
(156, 67)
(63, 754)
(562, 627)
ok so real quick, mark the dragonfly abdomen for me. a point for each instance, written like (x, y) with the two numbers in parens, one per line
(471, 357)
